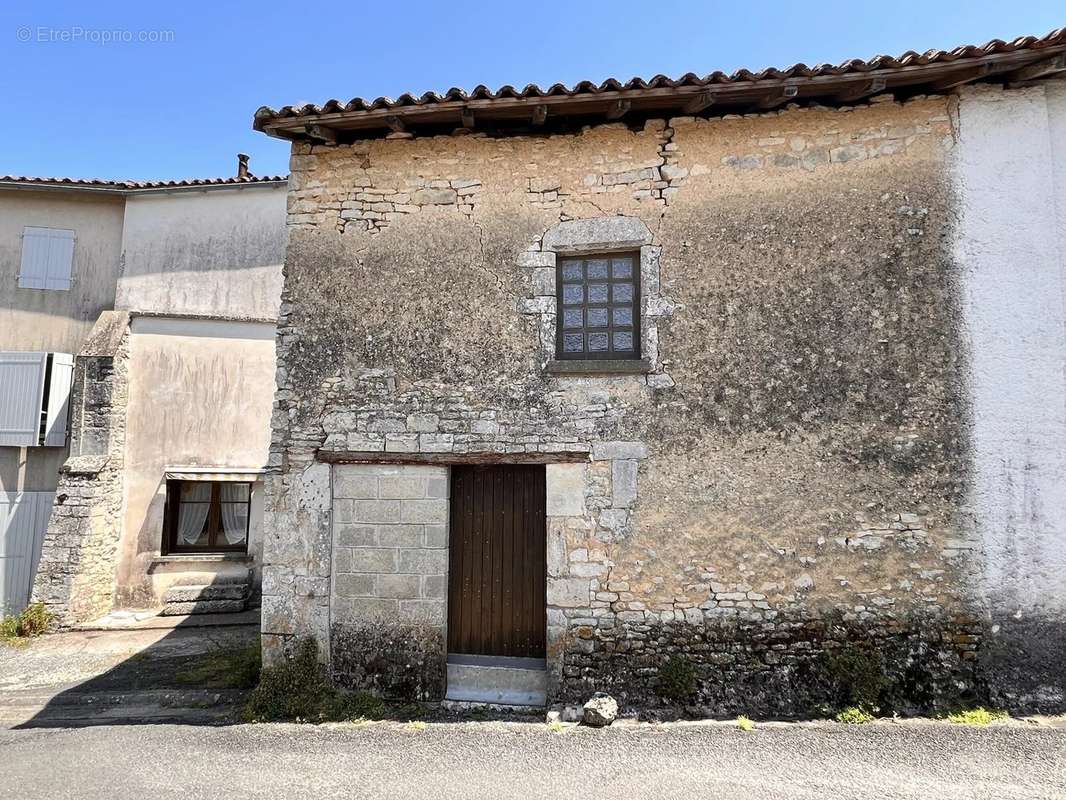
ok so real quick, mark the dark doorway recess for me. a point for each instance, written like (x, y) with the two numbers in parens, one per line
(497, 561)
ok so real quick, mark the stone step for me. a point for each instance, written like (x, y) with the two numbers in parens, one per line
(214, 591)
(203, 607)
(497, 684)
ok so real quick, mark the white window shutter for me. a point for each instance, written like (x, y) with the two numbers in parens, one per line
(55, 429)
(47, 258)
(21, 395)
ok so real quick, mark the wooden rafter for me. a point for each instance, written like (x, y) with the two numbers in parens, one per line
(321, 133)
(778, 98)
(861, 90)
(1041, 69)
(619, 108)
(698, 103)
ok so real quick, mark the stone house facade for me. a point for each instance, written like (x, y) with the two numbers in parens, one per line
(750, 340)
(167, 313)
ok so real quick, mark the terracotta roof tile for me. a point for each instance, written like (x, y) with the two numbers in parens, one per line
(1056, 39)
(98, 183)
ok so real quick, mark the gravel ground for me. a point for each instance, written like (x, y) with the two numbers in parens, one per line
(516, 760)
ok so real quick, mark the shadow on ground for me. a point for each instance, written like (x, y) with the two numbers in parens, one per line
(197, 671)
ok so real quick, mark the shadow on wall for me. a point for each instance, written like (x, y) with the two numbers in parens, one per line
(195, 673)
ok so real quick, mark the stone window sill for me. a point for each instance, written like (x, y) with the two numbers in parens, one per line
(640, 366)
(186, 558)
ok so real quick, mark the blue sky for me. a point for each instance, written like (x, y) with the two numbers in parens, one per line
(82, 106)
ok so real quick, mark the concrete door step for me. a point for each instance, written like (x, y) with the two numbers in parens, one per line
(497, 681)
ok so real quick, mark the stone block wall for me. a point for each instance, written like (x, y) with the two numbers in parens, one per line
(390, 577)
(76, 574)
(786, 477)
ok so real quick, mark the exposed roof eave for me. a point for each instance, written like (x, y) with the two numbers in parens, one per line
(126, 188)
(936, 72)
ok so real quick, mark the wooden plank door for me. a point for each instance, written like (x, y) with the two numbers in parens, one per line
(497, 561)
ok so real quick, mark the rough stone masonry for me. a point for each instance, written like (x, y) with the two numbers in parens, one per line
(778, 493)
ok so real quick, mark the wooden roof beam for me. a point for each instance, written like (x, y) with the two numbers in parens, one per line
(777, 97)
(618, 109)
(1040, 69)
(540, 114)
(467, 116)
(698, 103)
(321, 133)
(860, 90)
(961, 78)
(396, 124)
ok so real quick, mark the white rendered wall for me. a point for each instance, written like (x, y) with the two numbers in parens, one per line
(1010, 171)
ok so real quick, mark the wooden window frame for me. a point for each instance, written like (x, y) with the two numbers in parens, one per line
(634, 278)
(214, 521)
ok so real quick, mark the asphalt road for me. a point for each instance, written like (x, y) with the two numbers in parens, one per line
(526, 760)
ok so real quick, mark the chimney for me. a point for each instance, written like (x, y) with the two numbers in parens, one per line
(242, 166)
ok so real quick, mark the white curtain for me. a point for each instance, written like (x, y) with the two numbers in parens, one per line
(234, 497)
(192, 513)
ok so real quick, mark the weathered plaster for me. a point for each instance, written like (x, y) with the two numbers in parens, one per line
(213, 253)
(1011, 243)
(199, 395)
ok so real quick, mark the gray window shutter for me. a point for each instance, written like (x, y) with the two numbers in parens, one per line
(21, 395)
(47, 258)
(55, 429)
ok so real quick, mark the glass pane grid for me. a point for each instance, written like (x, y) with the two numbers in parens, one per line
(598, 307)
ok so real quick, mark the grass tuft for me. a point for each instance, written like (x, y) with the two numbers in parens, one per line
(745, 724)
(225, 669)
(18, 629)
(979, 716)
(853, 715)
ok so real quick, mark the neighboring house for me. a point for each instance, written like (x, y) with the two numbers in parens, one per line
(679, 389)
(145, 313)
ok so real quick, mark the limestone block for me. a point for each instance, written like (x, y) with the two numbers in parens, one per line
(427, 612)
(401, 487)
(353, 485)
(354, 585)
(569, 592)
(565, 488)
(376, 511)
(603, 451)
(536, 259)
(403, 587)
(399, 535)
(424, 562)
(354, 535)
(623, 482)
(596, 233)
(423, 423)
(373, 559)
(424, 511)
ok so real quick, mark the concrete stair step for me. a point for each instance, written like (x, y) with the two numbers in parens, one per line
(203, 607)
(214, 591)
(497, 684)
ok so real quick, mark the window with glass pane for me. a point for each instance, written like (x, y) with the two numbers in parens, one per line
(207, 516)
(599, 307)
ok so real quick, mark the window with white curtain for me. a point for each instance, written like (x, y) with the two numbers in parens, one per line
(207, 516)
